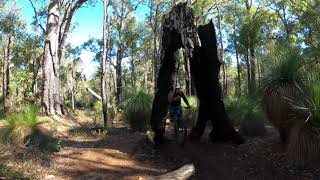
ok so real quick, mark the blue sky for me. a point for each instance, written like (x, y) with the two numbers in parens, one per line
(88, 23)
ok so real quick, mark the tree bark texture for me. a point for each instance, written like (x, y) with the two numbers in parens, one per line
(205, 71)
(6, 80)
(238, 62)
(187, 74)
(3, 71)
(51, 101)
(253, 83)
(104, 67)
(179, 31)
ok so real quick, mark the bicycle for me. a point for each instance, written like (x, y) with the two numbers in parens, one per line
(180, 129)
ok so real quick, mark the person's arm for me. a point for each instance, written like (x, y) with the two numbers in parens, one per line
(185, 99)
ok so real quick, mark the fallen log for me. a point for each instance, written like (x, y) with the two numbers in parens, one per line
(183, 173)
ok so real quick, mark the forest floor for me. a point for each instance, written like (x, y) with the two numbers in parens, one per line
(122, 154)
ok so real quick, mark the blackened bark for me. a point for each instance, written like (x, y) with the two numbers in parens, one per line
(166, 82)
(205, 70)
(178, 30)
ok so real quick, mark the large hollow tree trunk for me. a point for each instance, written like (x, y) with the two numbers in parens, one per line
(51, 100)
(179, 31)
(205, 71)
(166, 84)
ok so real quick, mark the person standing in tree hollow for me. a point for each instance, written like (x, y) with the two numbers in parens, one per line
(175, 109)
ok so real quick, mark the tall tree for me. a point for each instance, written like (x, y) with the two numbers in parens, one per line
(59, 20)
(104, 65)
(122, 10)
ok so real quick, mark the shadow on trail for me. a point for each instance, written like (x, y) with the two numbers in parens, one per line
(255, 159)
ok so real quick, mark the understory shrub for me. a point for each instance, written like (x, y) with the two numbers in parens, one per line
(304, 142)
(22, 128)
(112, 110)
(190, 115)
(282, 82)
(137, 111)
(248, 115)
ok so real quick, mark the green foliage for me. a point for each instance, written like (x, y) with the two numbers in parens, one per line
(19, 125)
(190, 115)
(309, 105)
(22, 128)
(283, 70)
(247, 111)
(112, 110)
(44, 142)
(138, 110)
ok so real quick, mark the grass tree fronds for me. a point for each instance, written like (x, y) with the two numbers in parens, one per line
(137, 111)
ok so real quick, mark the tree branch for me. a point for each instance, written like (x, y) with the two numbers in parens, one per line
(36, 16)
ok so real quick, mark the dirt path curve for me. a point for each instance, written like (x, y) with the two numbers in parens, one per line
(129, 156)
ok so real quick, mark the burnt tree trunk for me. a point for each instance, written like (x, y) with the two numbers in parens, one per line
(178, 30)
(205, 70)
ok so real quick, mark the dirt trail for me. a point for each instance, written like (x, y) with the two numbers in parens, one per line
(89, 158)
(129, 156)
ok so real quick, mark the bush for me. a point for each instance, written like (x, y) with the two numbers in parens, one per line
(20, 124)
(282, 82)
(22, 128)
(248, 112)
(190, 115)
(304, 142)
(112, 110)
(138, 110)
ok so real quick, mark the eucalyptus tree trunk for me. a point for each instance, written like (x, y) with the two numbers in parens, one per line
(238, 62)
(224, 69)
(248, 73)
(252, 70)
(7, 94)
(51, 101)
(187, 73)
(154, 21)
(3, 74)
(104, 67)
